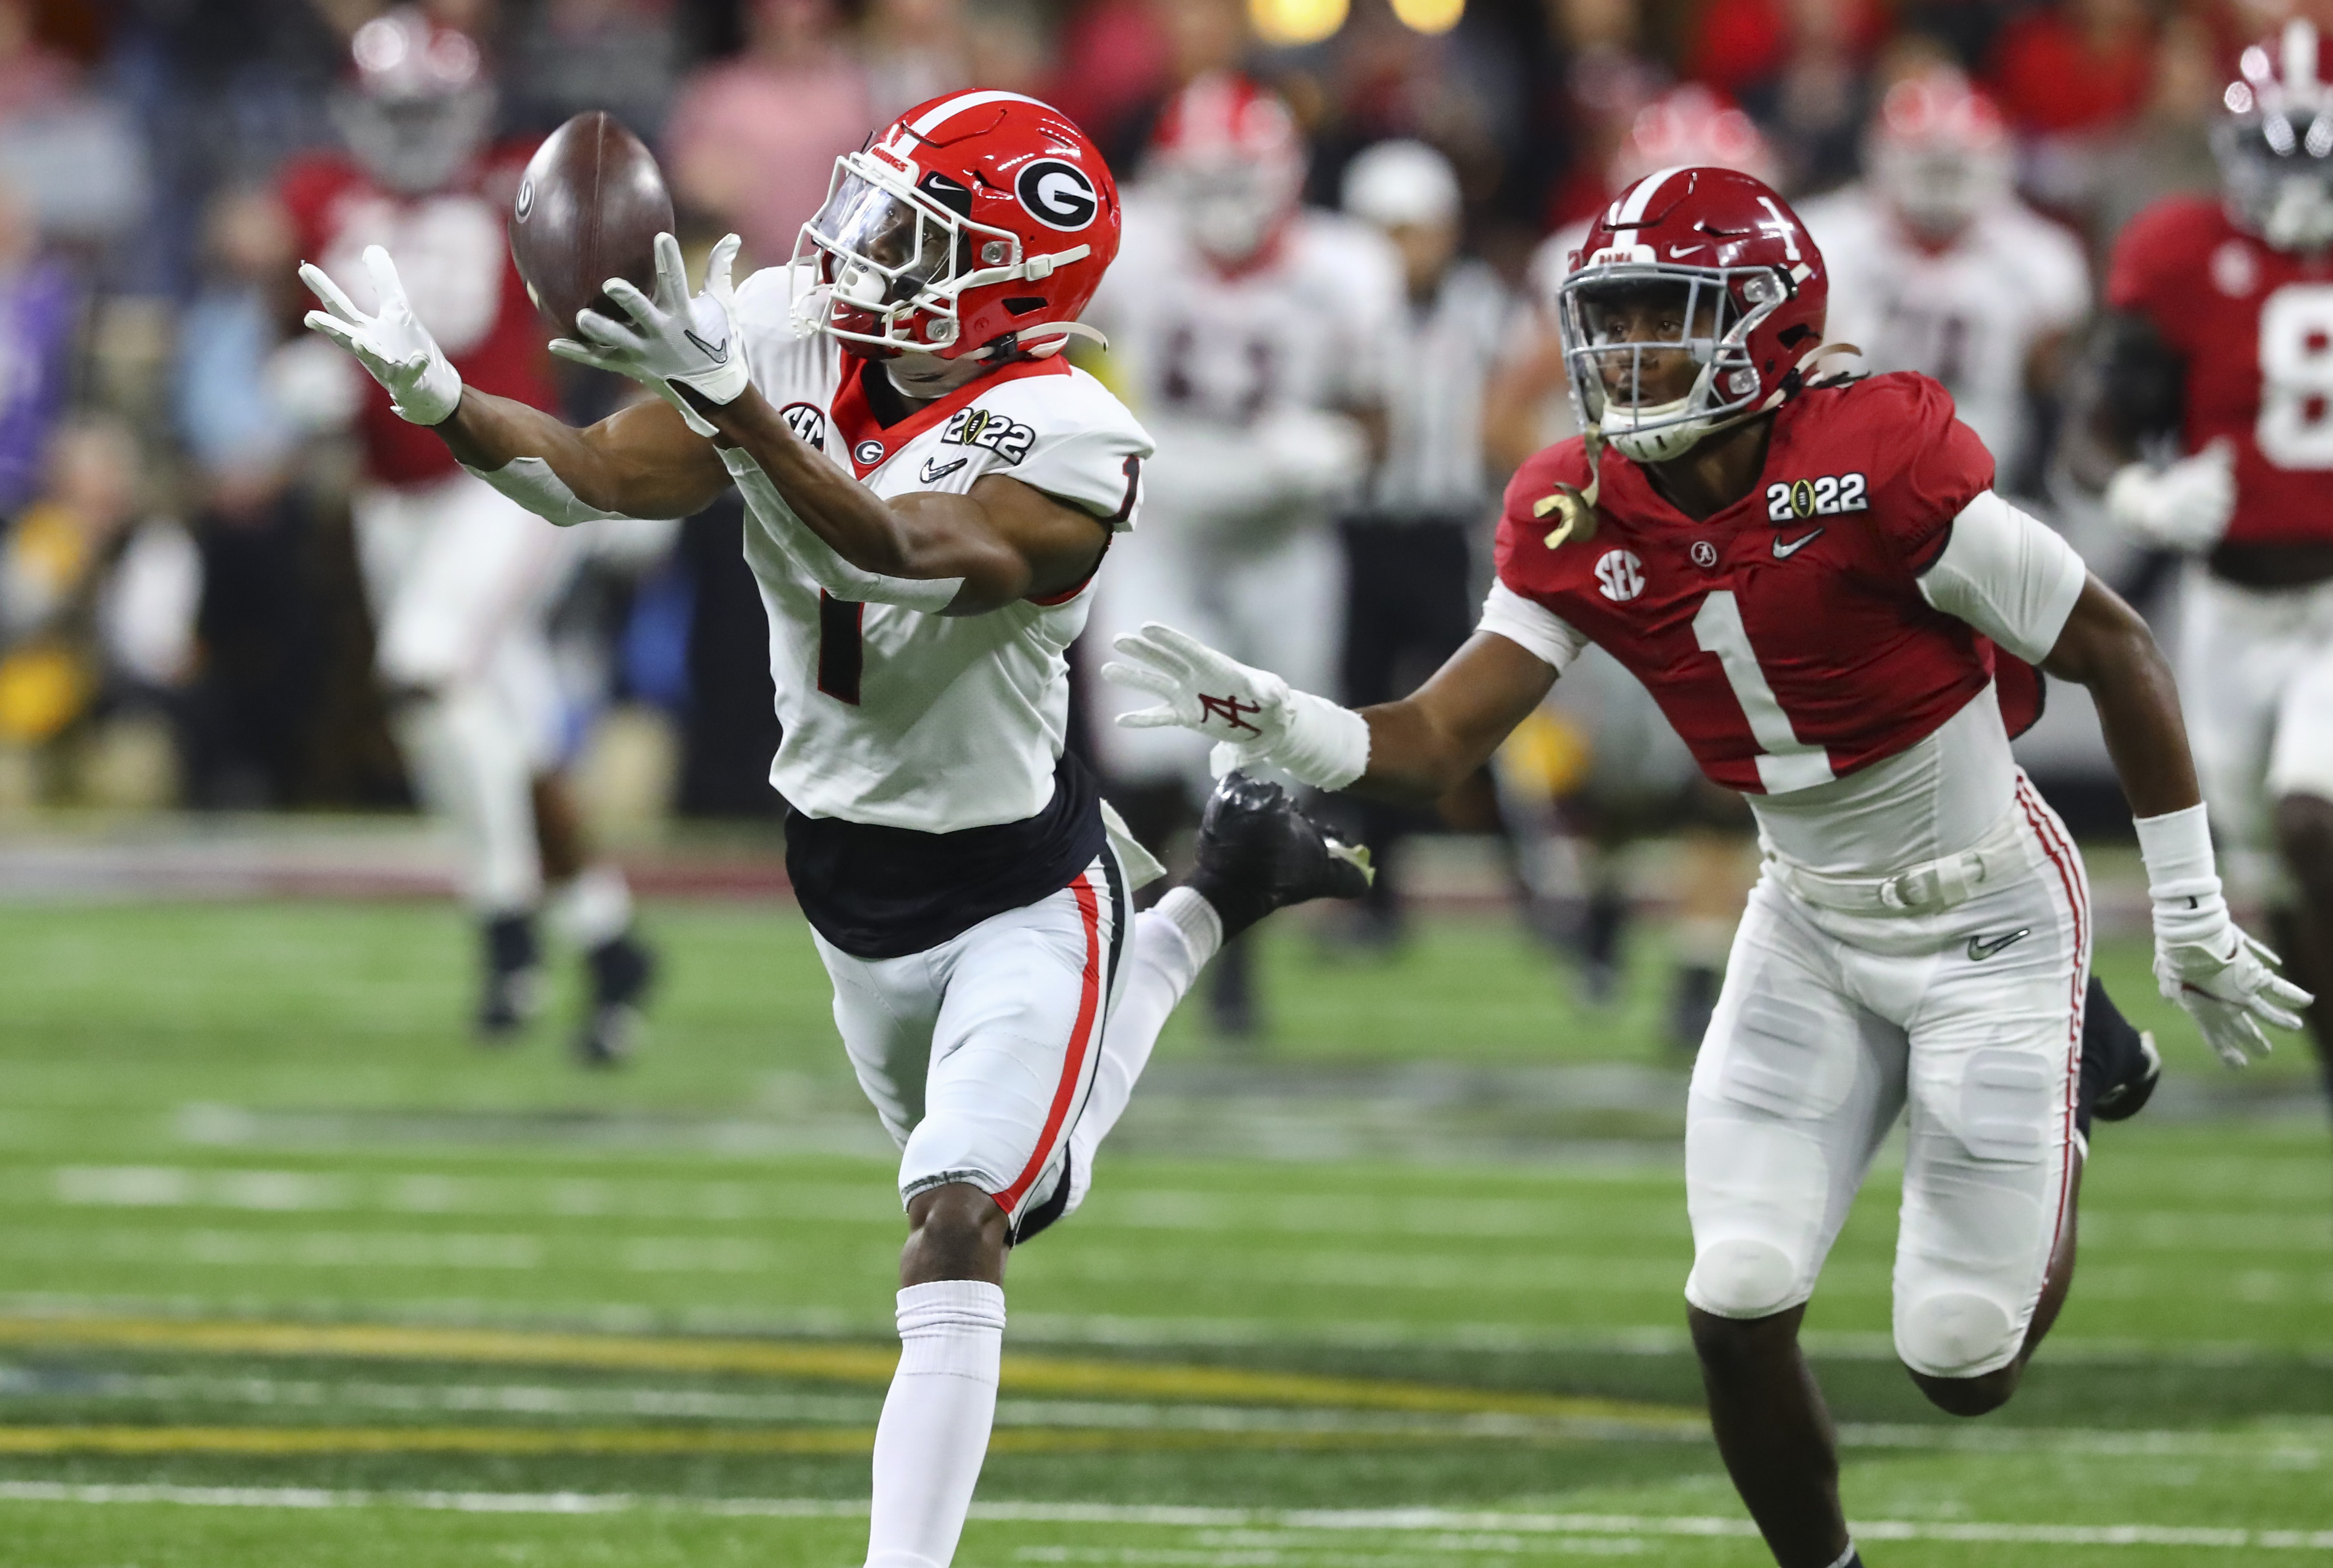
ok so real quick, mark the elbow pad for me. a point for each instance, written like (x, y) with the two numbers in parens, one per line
(530, 482)
(819, 560)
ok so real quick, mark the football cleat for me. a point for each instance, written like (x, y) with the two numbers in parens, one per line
(1257, 854)
(2120, 1065)
(511, 994)
(622, 972)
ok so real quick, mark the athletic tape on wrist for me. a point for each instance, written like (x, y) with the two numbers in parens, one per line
(531, 482)
(1325, 745)
(826, 568)
(2177, 850)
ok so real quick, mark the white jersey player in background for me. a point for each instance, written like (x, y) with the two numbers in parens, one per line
(1936, 266)
(1252, 335)
(931, 491)
(461, 582)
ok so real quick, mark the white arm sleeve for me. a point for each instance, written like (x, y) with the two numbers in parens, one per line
(530, 482)
(817, 558)
(2007, 574)
(1534, 628)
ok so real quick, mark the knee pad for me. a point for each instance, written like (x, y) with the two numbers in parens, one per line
(1955, 1335)
(1742, 1278)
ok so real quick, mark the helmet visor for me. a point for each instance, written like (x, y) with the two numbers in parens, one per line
(885, 250)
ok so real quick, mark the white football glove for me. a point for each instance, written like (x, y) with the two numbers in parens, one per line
(391, 343)
(677, 339)
(2225, 978)
(2204, 961)
(1252, 715)
(2184, 505)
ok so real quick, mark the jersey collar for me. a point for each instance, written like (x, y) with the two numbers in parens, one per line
(869, 443)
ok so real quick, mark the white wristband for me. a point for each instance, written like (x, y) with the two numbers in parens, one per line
(2177, 848)
(1326, 745)
(816, 557)
(532, 483)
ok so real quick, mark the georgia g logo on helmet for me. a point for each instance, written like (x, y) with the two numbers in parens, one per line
(1057, 194)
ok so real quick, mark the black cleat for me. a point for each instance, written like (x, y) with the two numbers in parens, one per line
(622, 972)
(513, 990)
(1257, 854)
(2120, 1065)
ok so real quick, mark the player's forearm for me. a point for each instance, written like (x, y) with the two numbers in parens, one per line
(486, 433)
(2107, 648)
(1427, 744)
(924, 537)
(1413, 761)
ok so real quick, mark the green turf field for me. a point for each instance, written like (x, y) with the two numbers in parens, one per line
(291, 1272)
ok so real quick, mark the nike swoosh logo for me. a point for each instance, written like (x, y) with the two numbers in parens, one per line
(719, 356)
(1677, 250)
(934, 473)
(1979, 948)
(1786, 548)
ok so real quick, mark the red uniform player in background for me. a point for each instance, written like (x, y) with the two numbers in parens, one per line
(1818, 584)
(2219, 361)
(460, 579)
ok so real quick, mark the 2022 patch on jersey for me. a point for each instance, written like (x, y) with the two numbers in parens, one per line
(894, 717)
(1785, 637)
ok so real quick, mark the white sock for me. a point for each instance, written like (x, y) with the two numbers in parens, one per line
(472, 767)
(934, 1432)
(1847, 1557)
(594, 909)
(1163, 960)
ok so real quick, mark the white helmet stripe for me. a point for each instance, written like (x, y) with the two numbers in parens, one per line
(2299, 57)
(1632, 211)
(944, 112)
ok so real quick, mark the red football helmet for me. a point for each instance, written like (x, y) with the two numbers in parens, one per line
(975, 226)
(1227, 153)
(1737, 281)
(1939, 153)
(1692, 125)
(2275, 144)
(418, 102)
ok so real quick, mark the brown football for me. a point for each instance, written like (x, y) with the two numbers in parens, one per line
(589, 208)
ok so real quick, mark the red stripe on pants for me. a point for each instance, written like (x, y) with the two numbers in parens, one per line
(1080, 1040)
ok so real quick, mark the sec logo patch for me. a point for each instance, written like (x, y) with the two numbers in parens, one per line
(808, 421)
(1619, 576)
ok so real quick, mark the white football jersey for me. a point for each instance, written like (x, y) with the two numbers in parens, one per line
(1968, 315)
(1226, 369)
(891, 716)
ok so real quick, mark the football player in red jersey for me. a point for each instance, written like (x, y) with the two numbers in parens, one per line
(461, 579)
(2221, 347)
(1818, 584)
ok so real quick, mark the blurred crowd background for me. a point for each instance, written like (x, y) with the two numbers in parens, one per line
(181, 615)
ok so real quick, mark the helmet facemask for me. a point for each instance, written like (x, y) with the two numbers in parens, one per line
(1658, 355)
(2278, 174)
(894, 259)
(1938, 190)
(1229, 207)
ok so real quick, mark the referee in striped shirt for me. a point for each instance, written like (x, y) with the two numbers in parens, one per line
(1411, 587)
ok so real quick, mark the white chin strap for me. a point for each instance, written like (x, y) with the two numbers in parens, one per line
(1665, 439)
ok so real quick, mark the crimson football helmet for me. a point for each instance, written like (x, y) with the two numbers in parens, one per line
(1939, 153)
(1736, 276)
(1227, 154)
(2275, 144)
(974, 226)
(416, 104)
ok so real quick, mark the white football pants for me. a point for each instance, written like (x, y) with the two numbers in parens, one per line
(2257, 668)
(460, 579)
(1829, 1026)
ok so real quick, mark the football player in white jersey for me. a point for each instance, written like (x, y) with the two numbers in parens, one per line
(461, 582)
(931, 491)
(1254, 334)
(1936, 266)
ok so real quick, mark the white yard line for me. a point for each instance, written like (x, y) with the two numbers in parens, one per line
(1290, 1525)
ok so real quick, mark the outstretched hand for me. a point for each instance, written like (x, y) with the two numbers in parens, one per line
(391, 343)
(674, 339)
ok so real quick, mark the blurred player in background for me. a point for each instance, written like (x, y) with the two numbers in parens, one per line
(1255, 336)
(461, 579)
(1636, 781)
(1936, 266)
(931, 491)
(1410, 570)
(2218, 364)
(1819, 583)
